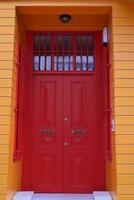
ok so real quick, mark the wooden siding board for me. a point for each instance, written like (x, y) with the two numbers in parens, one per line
(5, 73)
(124, 130)
(124, 101)
(126, 197)
(125, 139)
(123, 30)
(124, 56)
(6, 29)
(124, 120)
(7, 13)
(123, 48)
(6, 47)
(123, 159)
(125, 169)
(125, 189)
(123, 13)
(6, 55)
(3, 189)
(124, 92)
(6, 38)
(124, 65)
(4, 149)
(4, 139)
(125, 149)
(3, 169)
(124, 83)
(6, 65)
(124, 110)
(121, 21)
(126, 74)
(5, 21)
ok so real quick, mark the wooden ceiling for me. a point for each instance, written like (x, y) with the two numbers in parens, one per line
(52, 22)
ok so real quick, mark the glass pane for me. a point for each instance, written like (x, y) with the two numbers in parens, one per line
(36, 62)
(48, 63)
(90, 42)
(36, 42)
(55, 63)
(42, 43)
(42, 63)
(84, 63)
(66, 43)
(78, 63)
(60, 63)
(48, 43)
(90, 63)
(60, 43)
(71, 63)
(66, 63)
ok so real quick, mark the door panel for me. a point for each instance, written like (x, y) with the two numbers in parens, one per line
(47, 173)
(78, 106)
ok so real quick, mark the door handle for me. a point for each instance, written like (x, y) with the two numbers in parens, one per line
(47, 131)
(78, 131)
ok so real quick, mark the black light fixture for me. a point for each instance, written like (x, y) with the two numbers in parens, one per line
(65, 18)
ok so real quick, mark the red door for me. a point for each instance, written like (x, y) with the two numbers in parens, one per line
(64, 130)
(47, 154)
(66, 153)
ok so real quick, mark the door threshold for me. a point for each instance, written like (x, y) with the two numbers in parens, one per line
(28, 195)
(62, 196)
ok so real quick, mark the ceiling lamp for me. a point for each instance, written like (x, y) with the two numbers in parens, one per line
(65, 18)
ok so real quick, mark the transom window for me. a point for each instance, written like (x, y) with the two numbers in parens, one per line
(63, 52)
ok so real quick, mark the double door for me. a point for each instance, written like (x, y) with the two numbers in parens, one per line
(66, 146)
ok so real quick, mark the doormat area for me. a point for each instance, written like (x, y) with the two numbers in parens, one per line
(62, 197)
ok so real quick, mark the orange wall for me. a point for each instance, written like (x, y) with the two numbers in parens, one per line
(122, 90)
(123, 69)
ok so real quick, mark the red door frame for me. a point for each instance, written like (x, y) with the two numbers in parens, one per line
(100, 63)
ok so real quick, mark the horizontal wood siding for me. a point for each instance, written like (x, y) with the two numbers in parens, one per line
(123, 51)
(9, 171)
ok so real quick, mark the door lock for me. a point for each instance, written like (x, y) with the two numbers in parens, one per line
(65, 119)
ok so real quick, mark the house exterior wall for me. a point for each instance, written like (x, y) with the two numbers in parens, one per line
(119, 171)
(123, 69)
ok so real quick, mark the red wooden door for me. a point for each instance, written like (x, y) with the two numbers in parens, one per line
(47, 134)
(66, 144)
(79, 168)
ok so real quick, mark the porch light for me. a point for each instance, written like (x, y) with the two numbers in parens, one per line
(105, 36)
(65, 18)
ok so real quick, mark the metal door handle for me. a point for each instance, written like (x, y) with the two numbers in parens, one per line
(47, 131)
(78, 131)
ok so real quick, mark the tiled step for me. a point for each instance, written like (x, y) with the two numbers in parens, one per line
(23, 195)
(102, 195)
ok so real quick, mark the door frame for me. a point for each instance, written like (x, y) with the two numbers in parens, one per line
(100, 57)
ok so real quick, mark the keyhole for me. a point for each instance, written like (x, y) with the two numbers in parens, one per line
(65, 119)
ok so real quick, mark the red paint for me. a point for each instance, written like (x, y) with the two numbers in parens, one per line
(48, 165)
(107, 104)
(17, 147)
